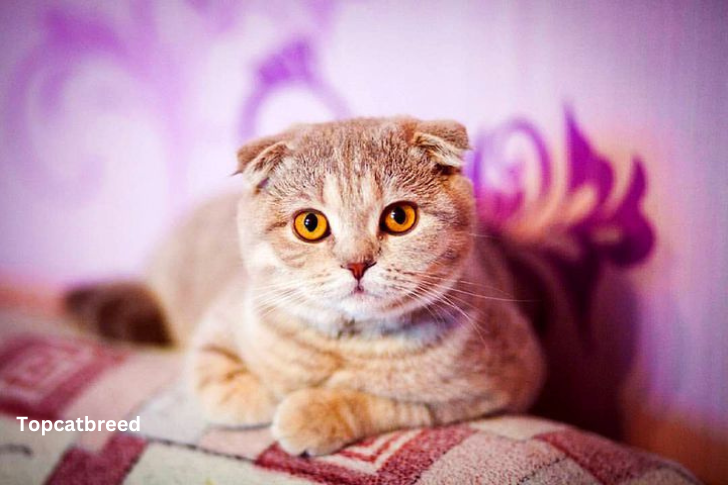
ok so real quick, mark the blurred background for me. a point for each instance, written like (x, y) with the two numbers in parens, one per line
(605, 123)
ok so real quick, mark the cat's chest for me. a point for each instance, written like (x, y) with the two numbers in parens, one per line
(425, 374)
(286, 361)
(282, 362)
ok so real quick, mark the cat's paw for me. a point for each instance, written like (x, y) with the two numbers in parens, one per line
(314, 422)
(238, 402)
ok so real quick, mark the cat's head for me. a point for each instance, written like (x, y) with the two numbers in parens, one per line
(365, 218)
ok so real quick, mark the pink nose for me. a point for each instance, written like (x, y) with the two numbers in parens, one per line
(358, 269)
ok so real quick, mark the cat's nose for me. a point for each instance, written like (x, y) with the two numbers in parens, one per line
(359, 268)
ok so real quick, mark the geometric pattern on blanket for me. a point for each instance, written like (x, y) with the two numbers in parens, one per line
(60, 378)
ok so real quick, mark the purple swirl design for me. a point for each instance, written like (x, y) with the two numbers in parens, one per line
(71, 40)
(139, 53)
(499, 179)
(291, 65)
(68, 41)
(597, 231)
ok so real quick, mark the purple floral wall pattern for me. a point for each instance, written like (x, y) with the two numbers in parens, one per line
(291, 65)
(578, 225)
(161, 77)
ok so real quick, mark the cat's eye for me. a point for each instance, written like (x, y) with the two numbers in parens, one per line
(399, 218)
(311, 225)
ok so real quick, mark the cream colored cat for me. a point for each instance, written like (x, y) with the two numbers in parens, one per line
(363, 301)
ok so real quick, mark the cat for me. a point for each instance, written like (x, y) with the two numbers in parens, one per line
(346, 291)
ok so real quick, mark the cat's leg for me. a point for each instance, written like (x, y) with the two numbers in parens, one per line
(228, 393)
(320, 421)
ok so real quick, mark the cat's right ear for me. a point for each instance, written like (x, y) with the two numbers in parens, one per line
(258, 158)
(442, 141)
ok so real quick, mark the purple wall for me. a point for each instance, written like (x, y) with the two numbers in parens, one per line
(601, 124)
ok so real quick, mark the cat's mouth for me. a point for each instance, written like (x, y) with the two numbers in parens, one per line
(360, 293)
(376, 298)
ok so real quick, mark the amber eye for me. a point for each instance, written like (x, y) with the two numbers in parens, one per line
(398, 218)
(311, 225)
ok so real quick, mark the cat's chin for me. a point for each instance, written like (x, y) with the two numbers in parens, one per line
(361, 304)
(368, 306)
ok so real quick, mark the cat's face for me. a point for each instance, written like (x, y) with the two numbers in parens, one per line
(367, 218)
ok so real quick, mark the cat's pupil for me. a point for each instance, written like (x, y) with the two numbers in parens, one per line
(399, 215)
(310, 222)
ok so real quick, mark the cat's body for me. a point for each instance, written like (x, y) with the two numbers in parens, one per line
(363, 330)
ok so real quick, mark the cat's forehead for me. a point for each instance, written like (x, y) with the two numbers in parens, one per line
(356, 166)
(352, 146)
(344, 160)
(362, 195)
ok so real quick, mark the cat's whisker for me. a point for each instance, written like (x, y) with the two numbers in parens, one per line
(478, 295)
(481, 235)
(451, 302)
(416, 292)
(289, 299)
(468, 319)
(410, 291)
(451, 281)
(431, 297)
(273, 299)
(490, 287)
(276, 291)
(284, 284)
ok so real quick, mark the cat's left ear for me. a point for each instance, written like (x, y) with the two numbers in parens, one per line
(258, 158)
(444, 141)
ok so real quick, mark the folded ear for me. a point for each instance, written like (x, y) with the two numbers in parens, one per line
(258, 158)
(444, 141)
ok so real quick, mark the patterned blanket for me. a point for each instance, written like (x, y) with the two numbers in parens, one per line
(52, 377)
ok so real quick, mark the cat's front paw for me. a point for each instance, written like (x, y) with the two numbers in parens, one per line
(241, 401)
(314, 422)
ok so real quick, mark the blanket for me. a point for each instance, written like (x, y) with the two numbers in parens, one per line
(55, 377)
